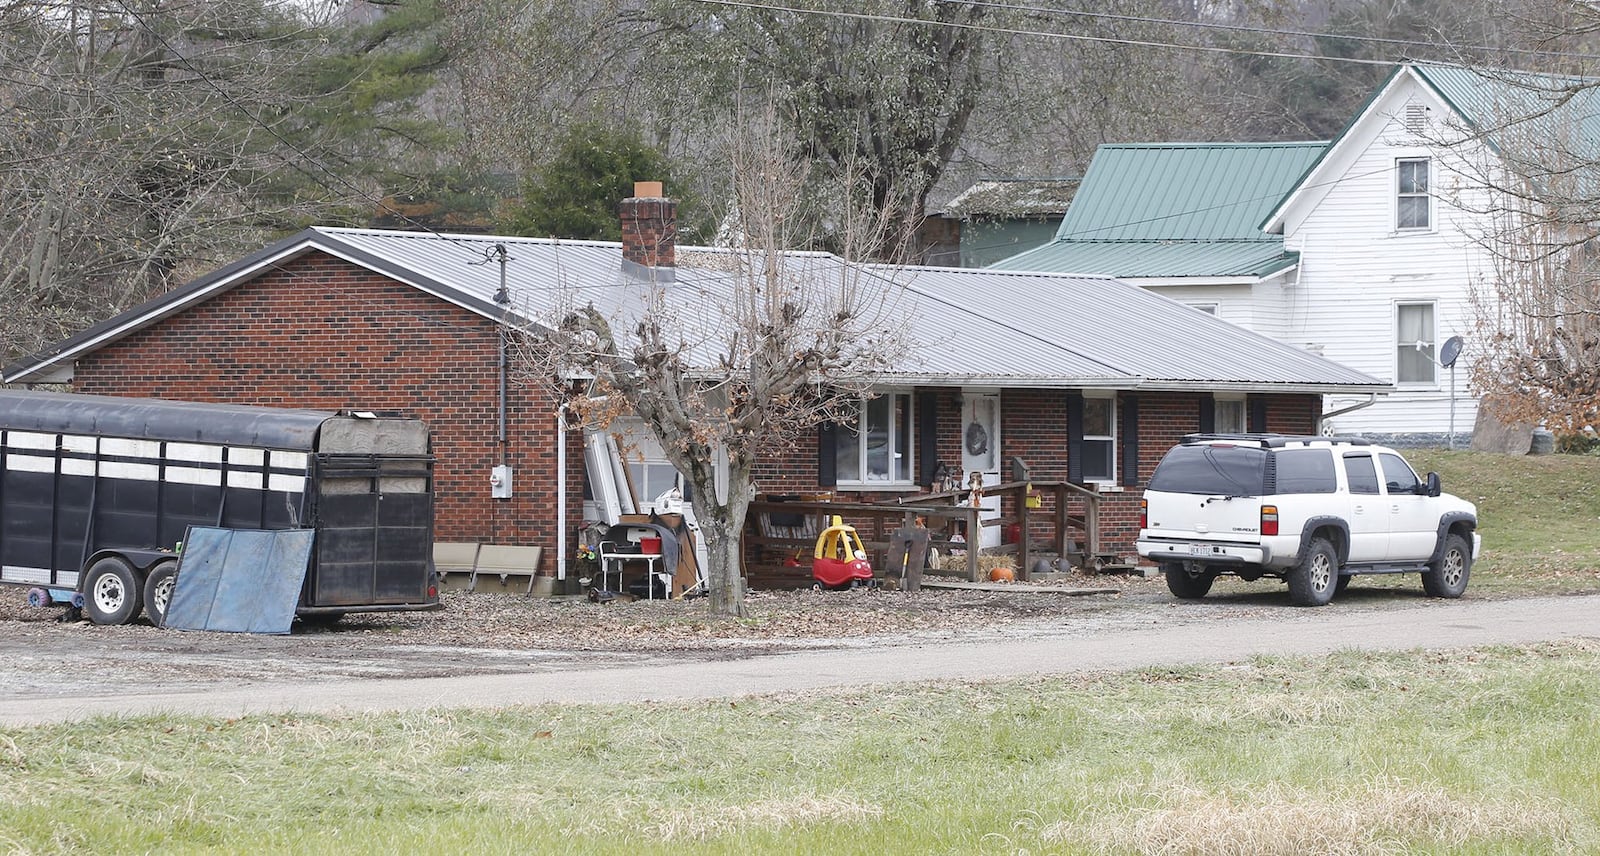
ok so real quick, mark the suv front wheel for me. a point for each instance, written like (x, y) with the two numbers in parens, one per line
(1447, 577)
(1311, 583)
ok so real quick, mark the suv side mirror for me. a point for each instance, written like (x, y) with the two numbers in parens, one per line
(1432, 486)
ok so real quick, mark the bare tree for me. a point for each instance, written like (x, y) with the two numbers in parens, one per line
(1530, 159)
(780, 342)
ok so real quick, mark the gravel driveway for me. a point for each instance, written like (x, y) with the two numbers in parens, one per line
(496, 648)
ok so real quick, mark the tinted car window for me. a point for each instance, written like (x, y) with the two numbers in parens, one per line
(1226, 470)
(1363, 476)
(1305, 471)
(1398, 476)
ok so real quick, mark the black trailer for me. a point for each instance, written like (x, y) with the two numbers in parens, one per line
(97, 492)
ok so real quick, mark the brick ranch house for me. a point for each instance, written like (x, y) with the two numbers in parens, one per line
(1092, 392)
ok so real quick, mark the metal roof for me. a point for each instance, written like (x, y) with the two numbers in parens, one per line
(1184, 191)
(1149, 259)
(1176, 210)
(970, 326)
(1164, 343)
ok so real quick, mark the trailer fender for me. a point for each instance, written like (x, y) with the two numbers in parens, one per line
(141, 558)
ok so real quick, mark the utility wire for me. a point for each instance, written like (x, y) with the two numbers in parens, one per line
(1240, 28)
(1053, 35)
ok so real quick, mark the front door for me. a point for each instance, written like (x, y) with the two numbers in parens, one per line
(980, 455)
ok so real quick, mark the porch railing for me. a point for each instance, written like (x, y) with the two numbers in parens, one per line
(781, 536)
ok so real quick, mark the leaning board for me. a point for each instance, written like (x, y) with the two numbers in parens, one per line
(239, 580)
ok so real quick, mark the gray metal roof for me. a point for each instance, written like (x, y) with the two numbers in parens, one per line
(970, 326)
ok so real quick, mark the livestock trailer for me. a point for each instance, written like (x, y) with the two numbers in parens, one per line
(96, 493)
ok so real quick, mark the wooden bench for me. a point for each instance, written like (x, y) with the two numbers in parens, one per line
(454, 557)
(505, 562)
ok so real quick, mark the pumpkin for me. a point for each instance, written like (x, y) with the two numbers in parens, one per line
(1002, 575)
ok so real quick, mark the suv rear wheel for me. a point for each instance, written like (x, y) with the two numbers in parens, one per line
(1311, 583)
(1187, 584)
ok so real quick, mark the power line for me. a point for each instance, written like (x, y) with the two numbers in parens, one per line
(1240, 28)
(1053, 35)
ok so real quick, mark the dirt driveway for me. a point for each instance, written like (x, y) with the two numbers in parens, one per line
(494, 650)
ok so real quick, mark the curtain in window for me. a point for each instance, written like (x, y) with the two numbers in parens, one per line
(1415, 345)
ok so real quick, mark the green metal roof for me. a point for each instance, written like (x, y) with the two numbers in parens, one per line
(1176, 209)
(1517, 109)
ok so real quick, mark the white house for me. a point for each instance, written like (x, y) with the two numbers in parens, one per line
(1369, 256)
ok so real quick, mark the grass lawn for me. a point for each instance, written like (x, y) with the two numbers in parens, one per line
(1474, 752)
(1492, 751)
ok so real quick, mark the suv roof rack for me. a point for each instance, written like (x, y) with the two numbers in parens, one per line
(1275, 441)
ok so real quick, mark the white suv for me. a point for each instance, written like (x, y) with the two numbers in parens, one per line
(1311, 511)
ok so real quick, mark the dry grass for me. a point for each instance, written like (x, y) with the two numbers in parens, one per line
(778, 814)
(1382, 816)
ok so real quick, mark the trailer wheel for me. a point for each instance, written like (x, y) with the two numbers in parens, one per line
(158, 586)
(111, 592)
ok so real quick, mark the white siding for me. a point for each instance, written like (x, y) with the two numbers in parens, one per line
(1355, 267)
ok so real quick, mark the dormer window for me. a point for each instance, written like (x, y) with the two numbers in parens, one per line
(1413, 205)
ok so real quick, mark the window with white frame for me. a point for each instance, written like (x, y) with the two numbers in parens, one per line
(1413, 205)
(1228, 415)
(875, 447)
(1208, 308)
(1099, 439)
(1414, 343)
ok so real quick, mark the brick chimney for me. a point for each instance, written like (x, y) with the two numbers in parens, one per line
(649, 231)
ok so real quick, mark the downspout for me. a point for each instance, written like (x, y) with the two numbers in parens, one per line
(1372, 398)
(561, 492)
(502, 298)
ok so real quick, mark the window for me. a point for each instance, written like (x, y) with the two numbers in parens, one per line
(1398, 477)
(1305, 471)
(1207, 308)
(1207, 469)
(1414, 343)
(1228, 416)
(1413, 205)
(1099, 439)
(1360, 472)
(876, 447)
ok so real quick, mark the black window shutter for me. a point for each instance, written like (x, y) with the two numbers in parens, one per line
(1257, 405)
(927, 435)
(827, 449)
(1130, 440)
(1075, 438)
(1208, 415)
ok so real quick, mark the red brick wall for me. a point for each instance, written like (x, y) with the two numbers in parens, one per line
(1034, 427)
(322, 333)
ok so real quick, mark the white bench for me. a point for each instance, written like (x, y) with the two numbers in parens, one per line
(505, 562)
(454, 557)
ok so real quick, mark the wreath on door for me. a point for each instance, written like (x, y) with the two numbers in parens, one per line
(977, 438)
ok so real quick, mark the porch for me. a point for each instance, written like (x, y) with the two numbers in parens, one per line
(1039, 519)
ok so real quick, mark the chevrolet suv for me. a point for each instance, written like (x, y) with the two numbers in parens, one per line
(1311, 511)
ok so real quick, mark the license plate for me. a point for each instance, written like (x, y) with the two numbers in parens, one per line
(1199, 549)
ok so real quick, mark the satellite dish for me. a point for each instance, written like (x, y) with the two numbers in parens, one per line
(1450, 351)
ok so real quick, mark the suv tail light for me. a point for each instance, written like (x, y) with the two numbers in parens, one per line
(1269, 520)
(1144, 514)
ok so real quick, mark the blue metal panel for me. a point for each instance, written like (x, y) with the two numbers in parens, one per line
(239, 580)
